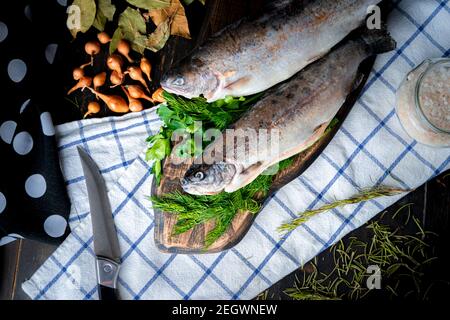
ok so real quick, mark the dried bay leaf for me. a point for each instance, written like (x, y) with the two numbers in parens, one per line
(82, 18)
(176, 15)
(132, 23)
(140, 43)
(159, 37)
(117, 36)
(105, 12)
(132, 28)
(149, 4)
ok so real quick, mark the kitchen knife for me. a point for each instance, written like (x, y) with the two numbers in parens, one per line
(106, 243)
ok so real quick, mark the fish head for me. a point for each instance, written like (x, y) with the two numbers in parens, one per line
(208, 179)
(191, 80)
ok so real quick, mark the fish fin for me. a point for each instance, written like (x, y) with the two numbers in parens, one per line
(236, 84)
(317, 133)
(209, 96)
(229, 73)
(315, 58)
(378, 41)
(320, 130)
(246, 176)
(252, 172)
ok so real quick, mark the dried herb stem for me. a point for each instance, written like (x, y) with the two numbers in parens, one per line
(363, 196)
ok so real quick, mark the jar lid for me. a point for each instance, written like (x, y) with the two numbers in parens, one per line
(433, 95)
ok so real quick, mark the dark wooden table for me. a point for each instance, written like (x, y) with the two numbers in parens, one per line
(19, 260)
(431, 203)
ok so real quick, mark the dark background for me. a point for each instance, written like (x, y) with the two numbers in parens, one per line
(19, 260)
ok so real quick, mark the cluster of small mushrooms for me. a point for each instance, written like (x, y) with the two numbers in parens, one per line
(115, 63)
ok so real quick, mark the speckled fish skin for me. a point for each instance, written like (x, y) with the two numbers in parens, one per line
(252, 56)
(300, 110)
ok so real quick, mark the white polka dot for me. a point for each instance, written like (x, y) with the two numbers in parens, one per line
(7, 130)
(2, 202)
(3, 31)
(35, 186)
(24, 105)
(62, 2)
(55, 226)
(27, 12)
(47, 124)
(23, 143)
(50, 52)
(17, 69)
(6, 240)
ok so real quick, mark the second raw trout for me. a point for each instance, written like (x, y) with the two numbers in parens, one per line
(299, 110)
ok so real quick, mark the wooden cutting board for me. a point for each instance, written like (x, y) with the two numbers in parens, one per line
(192, 242)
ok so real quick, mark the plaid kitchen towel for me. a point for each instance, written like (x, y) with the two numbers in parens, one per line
(371, 148)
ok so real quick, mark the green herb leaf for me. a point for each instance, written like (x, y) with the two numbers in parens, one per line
(81, 18)
(149, 4)
(152, 139)
(157, 171)
(105, 12)
(164, 113)
(158, 150)
(184, 150)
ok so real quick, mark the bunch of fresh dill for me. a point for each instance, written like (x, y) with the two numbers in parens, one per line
(221, 208)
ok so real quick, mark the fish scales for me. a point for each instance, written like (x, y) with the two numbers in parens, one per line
(298, 110)
(253, 55)
(298, 113)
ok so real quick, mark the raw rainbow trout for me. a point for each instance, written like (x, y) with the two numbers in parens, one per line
(251, 56)
(299, 110)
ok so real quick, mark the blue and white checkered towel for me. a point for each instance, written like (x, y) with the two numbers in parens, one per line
(371, 148)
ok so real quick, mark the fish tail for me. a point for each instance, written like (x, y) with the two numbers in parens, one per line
(378, 41)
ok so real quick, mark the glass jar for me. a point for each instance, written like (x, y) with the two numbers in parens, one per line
(423, 103)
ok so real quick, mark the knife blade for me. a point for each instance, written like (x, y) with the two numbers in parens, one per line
(106, 243)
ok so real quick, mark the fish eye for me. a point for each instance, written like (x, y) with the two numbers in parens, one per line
(199, 175)
(179, 81)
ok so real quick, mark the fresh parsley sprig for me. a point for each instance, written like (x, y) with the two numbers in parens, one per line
(179, 113)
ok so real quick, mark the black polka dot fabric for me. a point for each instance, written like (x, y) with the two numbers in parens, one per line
(33, 199)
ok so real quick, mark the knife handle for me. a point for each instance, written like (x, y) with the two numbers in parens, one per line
(106, 293)
(107, 273)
